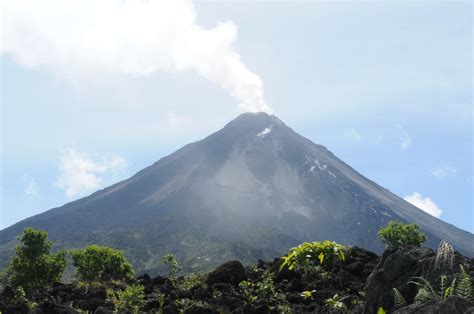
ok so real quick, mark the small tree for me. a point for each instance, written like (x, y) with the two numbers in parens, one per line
(32, 266)
(172, 263)
(397, 234)
(95, 263)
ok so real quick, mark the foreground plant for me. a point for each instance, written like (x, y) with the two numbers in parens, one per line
(33, 266)
(264, 290)
(131, 299)
(308, 255)
(307, 295)
(444, 257)
(335, 303)
(461, 286)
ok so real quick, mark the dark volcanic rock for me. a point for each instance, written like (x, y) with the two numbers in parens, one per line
(397, 267)
(231, 272)
(394, 270)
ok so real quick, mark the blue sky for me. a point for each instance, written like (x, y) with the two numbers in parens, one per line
(386, 86)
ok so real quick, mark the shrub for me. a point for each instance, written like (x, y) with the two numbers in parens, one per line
(397, 235)
(263, 290)
(172, 263)
(190, 281)
(95, 263)
(130, 299)
(309, 254)
(32, 266)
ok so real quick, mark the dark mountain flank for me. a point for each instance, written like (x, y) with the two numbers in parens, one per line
(249, 191)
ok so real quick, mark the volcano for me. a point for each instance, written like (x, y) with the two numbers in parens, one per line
(249, 191)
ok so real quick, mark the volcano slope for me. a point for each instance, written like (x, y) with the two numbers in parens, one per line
(249, 191)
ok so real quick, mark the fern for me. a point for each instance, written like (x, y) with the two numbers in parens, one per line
(398, 298)
(464, 286)
(425, 292)
(442, 284)
(449, 290)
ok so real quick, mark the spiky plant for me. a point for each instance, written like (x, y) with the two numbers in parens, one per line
(444, 256)
(398, 298)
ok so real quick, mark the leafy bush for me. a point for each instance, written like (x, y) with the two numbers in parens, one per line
(32, 266)
(95, 263)
(309, 254)
(397, 235)
(131, 299)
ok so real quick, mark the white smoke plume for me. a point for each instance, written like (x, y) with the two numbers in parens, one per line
(90, 39)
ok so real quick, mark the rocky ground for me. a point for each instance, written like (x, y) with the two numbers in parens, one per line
(360, 284)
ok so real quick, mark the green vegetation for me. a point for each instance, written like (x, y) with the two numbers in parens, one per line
(190, 281)
(335, 303)
(397, 235)
(33, 266)
(460, 286)
(464, 286)
(107, 270)
(307, 295)
(398, 297)
(130, 299)
(264, 290)
(95, 263)
(172, 263)
(308, 255)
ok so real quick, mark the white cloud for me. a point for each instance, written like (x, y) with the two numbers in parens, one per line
(352, 135)
(80, 175)
(443, 171)
(31, 187)
(89, 41)
(405, 139)
(426, 204)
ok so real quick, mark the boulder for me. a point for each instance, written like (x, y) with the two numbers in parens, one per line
(231, 273)
(394, 270)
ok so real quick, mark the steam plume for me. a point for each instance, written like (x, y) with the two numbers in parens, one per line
(90, 39)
